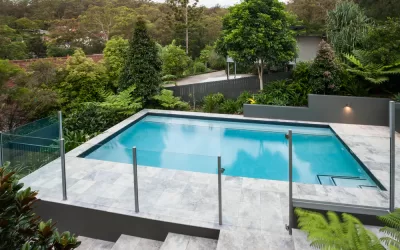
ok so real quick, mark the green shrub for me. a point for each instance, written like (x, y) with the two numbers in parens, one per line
(174, 59)
(84, 81)
(229, 107)
(199, 67)
(114, 58)
(169, 77)
(91, 118)
(166, 100)
(301, 73)
(213, 102)
(58, 51)
(20, 227)
(75, 138)
(244, 98)
(216, 61)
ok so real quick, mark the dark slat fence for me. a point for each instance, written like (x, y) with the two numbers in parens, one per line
(231, 88)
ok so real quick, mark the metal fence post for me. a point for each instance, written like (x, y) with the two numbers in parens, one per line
(62, 157)
(1, 149)
(220, 170)
(291, 215)
(135, 179)
(63, 172)
(392, 125)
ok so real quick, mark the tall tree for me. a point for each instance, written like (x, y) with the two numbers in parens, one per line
(313, 13)
(185, 13)
(106, 20)
(380, 9)
(143, 65)
(347, 27)
(258, 31)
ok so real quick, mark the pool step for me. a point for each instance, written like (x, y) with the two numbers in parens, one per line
(344, 181)
(125, 242)
(241, 240)
(185, 242)
(94, 244)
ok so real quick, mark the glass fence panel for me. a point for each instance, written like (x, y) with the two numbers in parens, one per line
(47, 127)
(26, 154)
(171, 186)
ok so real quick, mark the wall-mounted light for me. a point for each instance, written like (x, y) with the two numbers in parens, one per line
(347, 108)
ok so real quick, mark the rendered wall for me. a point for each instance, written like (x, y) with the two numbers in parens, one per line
(328, 108)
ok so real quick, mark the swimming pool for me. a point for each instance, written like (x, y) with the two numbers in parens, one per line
(247, 149)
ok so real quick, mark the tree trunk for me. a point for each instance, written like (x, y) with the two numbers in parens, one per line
(187, 29)
(260, 73)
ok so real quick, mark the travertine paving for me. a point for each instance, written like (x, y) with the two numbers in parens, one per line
(254, 206)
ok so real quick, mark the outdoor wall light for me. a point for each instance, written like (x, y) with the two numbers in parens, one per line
(347, 108)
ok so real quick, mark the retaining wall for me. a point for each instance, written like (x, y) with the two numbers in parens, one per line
(329, 108)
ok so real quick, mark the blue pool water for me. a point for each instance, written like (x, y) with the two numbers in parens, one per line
(252, 150)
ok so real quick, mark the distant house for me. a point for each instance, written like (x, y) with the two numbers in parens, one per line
(308, 47)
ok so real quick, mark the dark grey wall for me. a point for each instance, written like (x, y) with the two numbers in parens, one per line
(230, 89)
(109, 226)
(328, 108)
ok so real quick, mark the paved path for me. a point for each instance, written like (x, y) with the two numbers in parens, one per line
(208, 77)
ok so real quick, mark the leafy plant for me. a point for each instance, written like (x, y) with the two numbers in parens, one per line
(358, 64)
(396, 97)
(20, 227)
(301, 73)
(75, 138)
(213, 102)
(168, 101)
(392, 230)
(199, 67)
(229, 107)
(356, 89)
(123, 103)
(332, 232)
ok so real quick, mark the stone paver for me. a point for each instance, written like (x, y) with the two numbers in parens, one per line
(249, 205)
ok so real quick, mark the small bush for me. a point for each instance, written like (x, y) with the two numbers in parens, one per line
(59, 51)
(213, 102)
(166, 100)
(199, 67)
(169, 77)
(229, 107)
(301, 73)
(216, 61)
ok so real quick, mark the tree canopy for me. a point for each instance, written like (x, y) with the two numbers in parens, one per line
(258, 31)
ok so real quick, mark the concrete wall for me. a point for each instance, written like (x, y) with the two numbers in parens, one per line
(109, 226)
(328, 108)
(308, 47)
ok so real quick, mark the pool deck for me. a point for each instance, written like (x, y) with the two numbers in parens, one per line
(251, 207)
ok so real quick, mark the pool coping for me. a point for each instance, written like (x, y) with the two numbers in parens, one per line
(239, 220)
